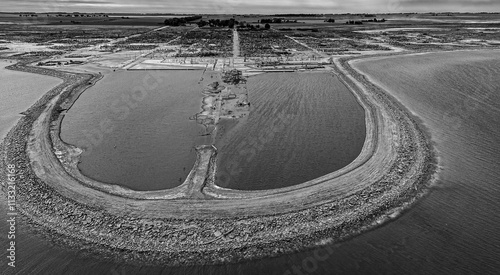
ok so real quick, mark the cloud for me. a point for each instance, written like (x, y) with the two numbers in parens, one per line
(451, 3)
(253, 6)
(96, 2)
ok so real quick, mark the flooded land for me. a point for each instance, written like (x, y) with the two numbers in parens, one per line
(137, 137)
(455, 94)
(244, 144)
(301, 126)
(18, 94)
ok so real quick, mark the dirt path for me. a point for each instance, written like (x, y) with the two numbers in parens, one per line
(322, 54)
(236, 43)
(140, 57)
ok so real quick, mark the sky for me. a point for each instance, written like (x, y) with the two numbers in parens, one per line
(251, 6)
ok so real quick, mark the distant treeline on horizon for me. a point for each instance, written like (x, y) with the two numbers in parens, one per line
(251, 14)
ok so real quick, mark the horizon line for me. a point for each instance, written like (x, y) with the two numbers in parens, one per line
(190, 13)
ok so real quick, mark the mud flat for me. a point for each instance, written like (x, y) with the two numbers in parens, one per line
(226, 101)
(200, 222)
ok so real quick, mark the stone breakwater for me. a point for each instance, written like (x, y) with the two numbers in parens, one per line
(207, 224)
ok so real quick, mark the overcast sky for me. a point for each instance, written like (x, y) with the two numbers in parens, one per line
(251, 6)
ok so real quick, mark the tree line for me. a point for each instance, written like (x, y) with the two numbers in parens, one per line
(352, 22)
(231, 23)
(298, 15)
(180, 21)
(277, 21)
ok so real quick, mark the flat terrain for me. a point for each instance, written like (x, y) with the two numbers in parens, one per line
(199, 222)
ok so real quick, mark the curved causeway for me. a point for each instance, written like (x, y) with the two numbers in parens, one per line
(199, 222)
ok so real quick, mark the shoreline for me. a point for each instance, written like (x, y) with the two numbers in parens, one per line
(209, 224)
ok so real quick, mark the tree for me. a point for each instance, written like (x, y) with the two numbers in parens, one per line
(231, 23)
(267, 26)
(180, 21)
(202, 23)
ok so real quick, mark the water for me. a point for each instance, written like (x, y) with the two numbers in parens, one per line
(301, 126)
(135, 128)
(147, 143)
(453, 230)
(18, 91)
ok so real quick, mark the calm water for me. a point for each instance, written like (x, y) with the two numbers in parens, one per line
(301, 126)
(454, 230)
(18, 91)
(135, 128)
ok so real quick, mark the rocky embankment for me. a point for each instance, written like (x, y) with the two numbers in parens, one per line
(220, 229)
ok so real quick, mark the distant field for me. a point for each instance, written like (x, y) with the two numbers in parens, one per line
(111, 20)
(348, 34)
(153, 20)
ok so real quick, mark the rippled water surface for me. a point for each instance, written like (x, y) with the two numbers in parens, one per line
(301, 126)
(453, 230)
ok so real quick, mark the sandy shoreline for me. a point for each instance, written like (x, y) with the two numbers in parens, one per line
(201, 223)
